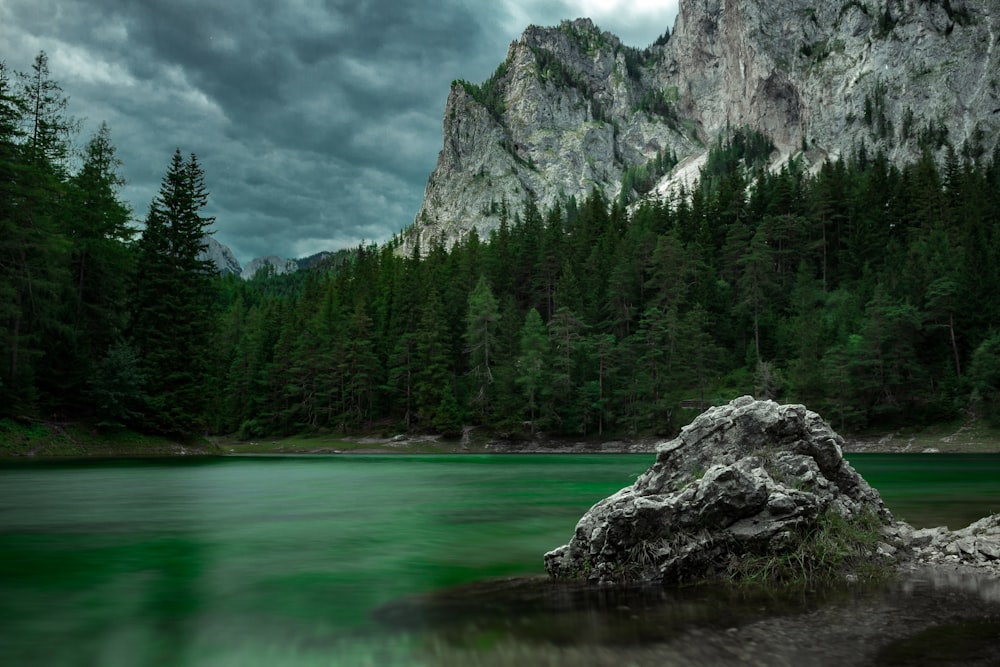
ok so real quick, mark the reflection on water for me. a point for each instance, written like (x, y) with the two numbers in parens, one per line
(371, 560)
(565, 613)
(925, 620)
(927, 580)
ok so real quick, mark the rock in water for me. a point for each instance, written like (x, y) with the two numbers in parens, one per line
(743, 480)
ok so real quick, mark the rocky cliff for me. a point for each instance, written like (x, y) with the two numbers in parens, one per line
(279, 264)
(220, 255)
(571, 108)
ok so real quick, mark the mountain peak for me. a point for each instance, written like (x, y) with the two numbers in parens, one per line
(572, 109)
(220, 255)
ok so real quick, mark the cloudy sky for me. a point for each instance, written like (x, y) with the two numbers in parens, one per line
(317, 121)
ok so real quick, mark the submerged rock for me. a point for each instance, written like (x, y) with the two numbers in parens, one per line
(744, 489)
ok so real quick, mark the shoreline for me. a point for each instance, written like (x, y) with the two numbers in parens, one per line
(53, 441)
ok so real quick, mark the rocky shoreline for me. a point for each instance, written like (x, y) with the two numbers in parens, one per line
(973, 548)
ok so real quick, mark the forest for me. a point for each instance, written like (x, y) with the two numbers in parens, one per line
(861, 288)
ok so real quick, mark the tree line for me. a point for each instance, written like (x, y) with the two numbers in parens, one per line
(862, 288)
(95, 319)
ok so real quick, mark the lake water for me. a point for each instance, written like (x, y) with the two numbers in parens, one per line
(352, 560)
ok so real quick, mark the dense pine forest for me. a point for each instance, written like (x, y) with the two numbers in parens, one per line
(864, 289)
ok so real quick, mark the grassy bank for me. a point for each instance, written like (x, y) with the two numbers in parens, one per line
(30, 438)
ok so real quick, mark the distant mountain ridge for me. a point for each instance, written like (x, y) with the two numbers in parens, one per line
(280, 265)
(226, 263)
(572, 109)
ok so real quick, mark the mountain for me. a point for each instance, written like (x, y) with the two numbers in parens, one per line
(221, 256)
(225, 260)
(572, 109)
(279, 264)
(316, 260)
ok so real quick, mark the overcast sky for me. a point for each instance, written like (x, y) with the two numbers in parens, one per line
(317, 121)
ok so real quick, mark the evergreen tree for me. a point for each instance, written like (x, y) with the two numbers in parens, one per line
(11, 314)
(98, 227)
(448, 417)
(117, 386)
(697, 354)
(361, 369)
(755, 277)
(600, 350)
(651, 352)
(33, 249)
(565, 339)
(984, 373)
(481, 342)
(48, 129)
(531, 364)
(172, 311)
(402, 374)
(433, 373)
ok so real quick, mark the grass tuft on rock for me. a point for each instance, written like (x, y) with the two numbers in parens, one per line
(834, 549)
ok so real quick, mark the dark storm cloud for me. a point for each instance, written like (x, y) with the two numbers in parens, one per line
(317, 121)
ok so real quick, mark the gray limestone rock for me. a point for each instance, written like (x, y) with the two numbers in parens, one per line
(976, 545)
(279, 264)
(742, 479)
(220, 255)
(989, 548)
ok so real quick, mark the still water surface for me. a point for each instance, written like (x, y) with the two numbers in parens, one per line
(304, 560)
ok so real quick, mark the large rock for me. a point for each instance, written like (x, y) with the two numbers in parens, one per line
(746, 479)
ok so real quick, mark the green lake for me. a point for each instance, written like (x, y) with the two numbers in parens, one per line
(335, 560)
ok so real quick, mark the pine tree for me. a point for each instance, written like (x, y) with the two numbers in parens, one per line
(601, 352)
(402, 373)
(755, 277)
(33, 249)
(11, 111)
(531, 363)
(481, 343)
(97, 224)
(697, 354)
(47, 127)
(361, 368)
(433, 372)
(172, 315)
(565, 336)
(651, 352)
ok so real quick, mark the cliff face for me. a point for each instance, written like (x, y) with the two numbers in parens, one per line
(280, 266)
(220, 255)
(840, 72)
(571, 108)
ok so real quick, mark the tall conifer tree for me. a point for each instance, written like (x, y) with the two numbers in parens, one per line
(481, 341)
(34, 136)
(172, 309)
